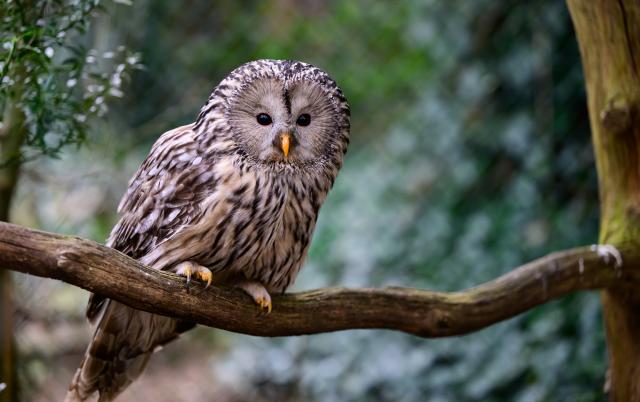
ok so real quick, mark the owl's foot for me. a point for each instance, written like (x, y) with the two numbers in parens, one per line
(190, 269)
(258, 293)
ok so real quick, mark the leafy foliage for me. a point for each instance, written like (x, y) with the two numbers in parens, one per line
(47, 72)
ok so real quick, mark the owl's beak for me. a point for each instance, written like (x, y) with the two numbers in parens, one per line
(285, 142)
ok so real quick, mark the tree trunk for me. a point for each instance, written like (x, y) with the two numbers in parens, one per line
(608, 33)
(11, 137)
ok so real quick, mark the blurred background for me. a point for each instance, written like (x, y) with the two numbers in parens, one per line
(470, 155)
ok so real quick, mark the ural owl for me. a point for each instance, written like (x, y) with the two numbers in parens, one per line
(231, 198)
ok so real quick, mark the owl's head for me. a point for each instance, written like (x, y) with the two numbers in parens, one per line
(280, 112)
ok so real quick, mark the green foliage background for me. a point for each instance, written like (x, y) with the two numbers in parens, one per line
(471, 154)
(48, 72)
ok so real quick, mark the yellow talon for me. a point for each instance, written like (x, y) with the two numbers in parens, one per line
(264, 304)
(186, 272)
(205, 276)
(189, 269)
(258, 294)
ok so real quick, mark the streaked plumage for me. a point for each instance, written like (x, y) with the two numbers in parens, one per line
(219, 193)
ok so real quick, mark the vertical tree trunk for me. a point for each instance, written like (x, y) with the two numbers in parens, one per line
(608, 33)
(11, 137)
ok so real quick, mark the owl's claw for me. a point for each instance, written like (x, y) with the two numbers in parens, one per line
(264, 304)
(258, 293)
(204, 275)
(189, 269)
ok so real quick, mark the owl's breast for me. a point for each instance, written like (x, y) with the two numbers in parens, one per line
(260, 225)
(275, 222)
(255, 224)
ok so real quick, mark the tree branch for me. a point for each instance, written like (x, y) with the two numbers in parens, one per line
(99, 269)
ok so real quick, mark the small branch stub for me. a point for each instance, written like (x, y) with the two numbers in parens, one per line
(616, 115)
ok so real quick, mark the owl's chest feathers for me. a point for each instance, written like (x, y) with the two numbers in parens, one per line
(261, 226)
(255, 223)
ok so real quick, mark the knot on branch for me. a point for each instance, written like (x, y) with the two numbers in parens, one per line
(608, 253)
(69, 258)
(440, 320)
(616, 115)
(65, 259)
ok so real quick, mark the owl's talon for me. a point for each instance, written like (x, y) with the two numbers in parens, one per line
(205, 276)
(258, 293)
(185, 269)
(190, 269)
(264, 304)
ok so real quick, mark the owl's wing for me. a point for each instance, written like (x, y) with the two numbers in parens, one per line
(163, 197)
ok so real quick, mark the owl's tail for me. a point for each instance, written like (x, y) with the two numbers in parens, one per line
(122, 344)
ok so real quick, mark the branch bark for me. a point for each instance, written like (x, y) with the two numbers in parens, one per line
(423, 313)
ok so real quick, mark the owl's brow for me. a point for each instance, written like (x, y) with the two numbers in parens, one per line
(287, 100)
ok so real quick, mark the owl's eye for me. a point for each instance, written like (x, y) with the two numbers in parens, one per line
(264, 119)
(304, 119)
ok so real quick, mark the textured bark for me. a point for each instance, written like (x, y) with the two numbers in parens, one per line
(609, 37)
(423, 313)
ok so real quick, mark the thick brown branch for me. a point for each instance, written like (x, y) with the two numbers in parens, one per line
(424, 313)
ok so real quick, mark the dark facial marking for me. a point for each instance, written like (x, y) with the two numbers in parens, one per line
(287, 100)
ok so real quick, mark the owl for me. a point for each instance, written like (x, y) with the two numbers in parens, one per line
(230, 199)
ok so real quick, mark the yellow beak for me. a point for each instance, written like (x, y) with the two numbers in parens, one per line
(285, 141)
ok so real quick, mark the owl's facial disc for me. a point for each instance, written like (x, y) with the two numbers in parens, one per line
(274, 121)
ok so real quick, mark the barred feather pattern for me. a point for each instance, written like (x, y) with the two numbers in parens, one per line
(202, 196)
